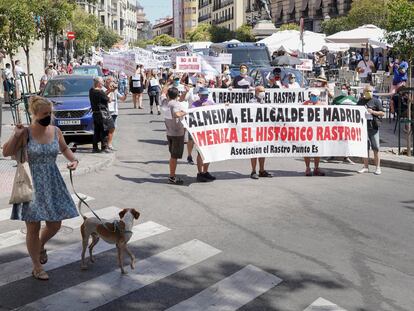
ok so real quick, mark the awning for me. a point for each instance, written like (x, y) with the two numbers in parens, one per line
(317, 4)
(291, 7)
(304, 4)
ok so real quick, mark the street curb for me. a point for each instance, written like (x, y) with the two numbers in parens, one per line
(400, 165)
(108, 161)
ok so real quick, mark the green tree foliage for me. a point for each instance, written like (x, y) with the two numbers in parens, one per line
(362, 12)
(107, 37)
(163, 40)
(244, 33)
(290, 26)
(201, 33)
(86, 28)
(221, 34)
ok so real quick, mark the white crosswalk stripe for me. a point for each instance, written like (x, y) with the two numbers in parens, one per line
(6, 212)
(110, 286)
(22, 268)
(232, 292)
(321, 304)
(15, 237)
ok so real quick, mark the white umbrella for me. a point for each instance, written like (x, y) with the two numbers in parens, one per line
(290, 41)
(336, 47)
(359, 37)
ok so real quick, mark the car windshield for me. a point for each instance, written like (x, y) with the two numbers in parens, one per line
(284, 76)
(88, 71)
(255, 57)
(68, 88)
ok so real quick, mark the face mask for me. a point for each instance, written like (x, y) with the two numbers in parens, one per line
(45, 121)
(261, 95)
(226, 72)
(243, 71)
(314, 98)
(344, 92)
(203, 98)
(200, 85)
(367, 95)
(292, 80)
(176, 83)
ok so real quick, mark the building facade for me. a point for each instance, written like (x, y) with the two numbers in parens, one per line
(163, 26)
(185, 14)
(222, 13)
(178, 16)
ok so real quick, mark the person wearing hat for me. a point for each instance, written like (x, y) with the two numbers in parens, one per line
(313, 101)
(322, 82)
(292, 82)
(203, 174)
(365, 68)
(259, 96)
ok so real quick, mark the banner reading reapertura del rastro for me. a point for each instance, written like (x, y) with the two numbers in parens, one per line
(272, 96)
(242, 131)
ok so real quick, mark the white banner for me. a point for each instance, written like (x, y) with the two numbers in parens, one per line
(273, 96)
(188, 64)
(307, 65)
(215, 61)
(120, 62)
(259, 130)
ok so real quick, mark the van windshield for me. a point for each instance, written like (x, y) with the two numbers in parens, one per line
(255, 57)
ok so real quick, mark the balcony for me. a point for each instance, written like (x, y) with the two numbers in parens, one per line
(223, 19)
(203, 4)
(222, 4)
(204, 17)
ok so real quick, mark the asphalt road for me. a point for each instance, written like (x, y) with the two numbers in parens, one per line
(284, 243)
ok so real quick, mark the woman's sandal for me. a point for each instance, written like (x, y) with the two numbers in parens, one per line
(40, 275)
(43, 256)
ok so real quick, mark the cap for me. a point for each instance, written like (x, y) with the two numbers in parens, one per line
(315, 92)
(203, 91)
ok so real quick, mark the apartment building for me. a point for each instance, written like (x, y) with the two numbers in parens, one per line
(222, 13)
(163, 26)
(313, 11)
(185, 14)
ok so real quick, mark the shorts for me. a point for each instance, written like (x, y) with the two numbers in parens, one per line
(176, 146)
(137, 90)
(114, 117)
(373, 139)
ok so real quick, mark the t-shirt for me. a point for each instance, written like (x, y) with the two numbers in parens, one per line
(254, 100)
(293, 85)
(199, 103)
(99, 100)
(398, 76)
(173, 125)
(366, 66)
(240, 82)
(344, 100)
(373, 103)
(113, 105)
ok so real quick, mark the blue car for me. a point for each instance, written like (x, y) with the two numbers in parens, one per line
(72, 109)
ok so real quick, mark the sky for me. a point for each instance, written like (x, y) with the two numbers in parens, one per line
(156, 9)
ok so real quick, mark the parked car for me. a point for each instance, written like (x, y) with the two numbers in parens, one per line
(88, 71)
(72, 109)
(261, 76)
(254, 55)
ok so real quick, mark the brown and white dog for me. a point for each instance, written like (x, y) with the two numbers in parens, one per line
(117, 233)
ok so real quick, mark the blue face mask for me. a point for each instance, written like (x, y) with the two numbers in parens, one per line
(314, 99)
(176, 83)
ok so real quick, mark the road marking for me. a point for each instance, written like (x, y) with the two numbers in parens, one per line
(232, 292)
(321, 304)
(6, 212)
(15, 237)
(22, 268)
(110, 286)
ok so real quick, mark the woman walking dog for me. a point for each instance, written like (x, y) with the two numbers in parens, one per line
(51, 200)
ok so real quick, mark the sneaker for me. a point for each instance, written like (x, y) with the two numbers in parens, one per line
(209, 176)
(190, 160)
(377, 171)
(265, 174)
(202, 178)
(107, 150)
(175, 181)
(308, 172)
(151, 112)
(159, 112)
(253, 175)
(363, 170)
(348, 161)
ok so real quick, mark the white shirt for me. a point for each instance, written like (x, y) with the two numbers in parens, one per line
(294, 85)
(366, 65)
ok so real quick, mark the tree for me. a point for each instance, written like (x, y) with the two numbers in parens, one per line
(220, 34)
(54, 16)
(163, 40)
(244, 33)
(107, 37)
(86, 27)
(290, 26)
(201, 33)
(334, 25)
(400, 33)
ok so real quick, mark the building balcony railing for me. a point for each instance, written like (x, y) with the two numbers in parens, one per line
(223, 19)
(204, 4)
(204, 17)
(222, 4)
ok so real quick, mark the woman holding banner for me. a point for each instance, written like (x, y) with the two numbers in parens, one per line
(136, 86)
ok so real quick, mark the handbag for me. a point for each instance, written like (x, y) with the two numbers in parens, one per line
(22, 191)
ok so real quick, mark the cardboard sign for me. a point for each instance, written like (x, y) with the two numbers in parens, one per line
(188, 64)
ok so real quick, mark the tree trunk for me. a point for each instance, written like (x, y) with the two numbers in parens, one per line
(47, 39)
(27, 52)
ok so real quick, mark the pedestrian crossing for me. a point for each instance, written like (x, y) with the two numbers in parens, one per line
(230, 293)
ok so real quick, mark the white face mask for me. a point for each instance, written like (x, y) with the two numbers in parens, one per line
(344, 92)
(261, 95)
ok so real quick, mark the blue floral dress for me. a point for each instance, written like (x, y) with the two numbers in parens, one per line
(51, 199)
